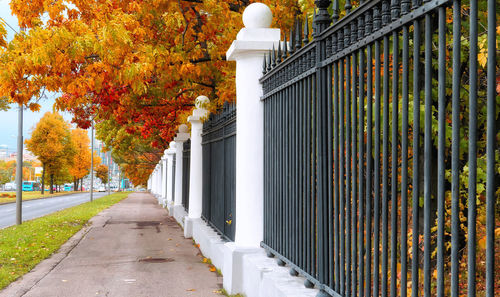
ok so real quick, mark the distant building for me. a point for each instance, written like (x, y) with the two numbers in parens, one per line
(4, 152)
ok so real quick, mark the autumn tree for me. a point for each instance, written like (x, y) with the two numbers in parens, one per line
(51, 142)
(5, 173)
(82, 157)
(102, 173)
(62, 177)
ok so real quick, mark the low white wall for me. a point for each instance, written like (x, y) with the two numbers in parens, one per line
(247, 271)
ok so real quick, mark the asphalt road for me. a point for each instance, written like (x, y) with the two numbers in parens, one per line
(39, 208)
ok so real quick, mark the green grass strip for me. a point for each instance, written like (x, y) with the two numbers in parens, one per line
(23, 247)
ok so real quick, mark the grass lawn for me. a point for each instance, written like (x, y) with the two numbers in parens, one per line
(11, 196)
(23, 247)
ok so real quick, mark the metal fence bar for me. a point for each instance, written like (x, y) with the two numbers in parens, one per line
(361, 175)
(350, 183)
(369, 172)
(491, 146)
(441, 149)
(427, 153)
(416, 159)
(455, 151)
(336, 211)
(350, 230)
(331, 261)
(313, 181)
(472, 192)
(385, 165)
(341, 181)
(308, 225)
(404, 157)
(394, 152)
(376, 210)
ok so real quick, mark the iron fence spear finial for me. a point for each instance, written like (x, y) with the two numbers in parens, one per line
(306, 32)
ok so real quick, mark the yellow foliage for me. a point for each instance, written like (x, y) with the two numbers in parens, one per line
(51, 143)
(81, 160)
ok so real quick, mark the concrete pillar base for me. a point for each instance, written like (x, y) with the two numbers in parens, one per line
(188, 226)
(263, 277)
(170, 208)
(210, 242)
(233, 269)
(179, 213)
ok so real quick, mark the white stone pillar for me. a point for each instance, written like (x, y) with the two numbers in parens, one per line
(196, 166)
(248, 50)
(181, 137)
(196, 158)
(153, 181)
(160, 174)
(170, 175)
(157, 184)
(164, 178)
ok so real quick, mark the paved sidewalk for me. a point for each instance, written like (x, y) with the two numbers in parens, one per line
(132, 249)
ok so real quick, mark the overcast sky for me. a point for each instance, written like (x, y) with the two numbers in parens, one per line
(8, 119)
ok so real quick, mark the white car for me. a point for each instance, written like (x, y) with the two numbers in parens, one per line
(101, 189)
(10, 187)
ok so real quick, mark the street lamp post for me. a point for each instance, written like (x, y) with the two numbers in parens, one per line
(109, 173)
(19, 168)
(92, 162)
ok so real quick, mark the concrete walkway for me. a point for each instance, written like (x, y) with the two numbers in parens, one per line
(132, 249)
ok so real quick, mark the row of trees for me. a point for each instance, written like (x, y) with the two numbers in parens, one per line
(8, 170)
(134, 67)
(64, 154)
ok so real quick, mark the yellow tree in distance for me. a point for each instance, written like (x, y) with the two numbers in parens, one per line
(102, 173)
(81, 160)
(51, 143)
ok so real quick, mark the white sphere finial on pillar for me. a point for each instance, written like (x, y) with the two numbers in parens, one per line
(257, 15)
(183, 128)
(201, 101)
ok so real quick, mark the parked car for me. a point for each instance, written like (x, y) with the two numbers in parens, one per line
(68, 187)
(10, 187)
(101, 189)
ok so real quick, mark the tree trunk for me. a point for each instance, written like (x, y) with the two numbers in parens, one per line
(75, 184)
(51, 184)
(43, 179)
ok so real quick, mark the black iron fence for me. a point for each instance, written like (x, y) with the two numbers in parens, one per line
(379, 149)
(219, 170)
(186, 166)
